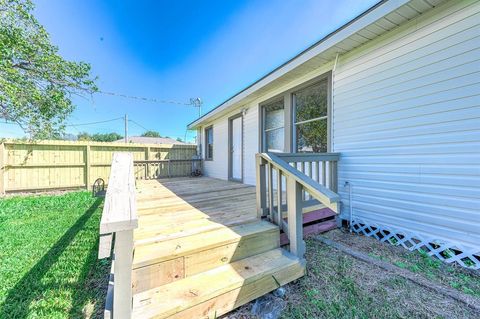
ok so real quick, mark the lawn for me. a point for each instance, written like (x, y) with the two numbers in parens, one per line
(339, 286)
(49, 266)
(49, 269)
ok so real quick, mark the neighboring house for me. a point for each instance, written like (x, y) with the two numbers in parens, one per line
(396, 92)
(151, 140)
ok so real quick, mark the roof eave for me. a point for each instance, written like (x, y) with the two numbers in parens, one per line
(368, 17)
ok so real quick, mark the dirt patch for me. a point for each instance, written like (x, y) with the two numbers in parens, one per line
(340, 286)
(41, 193)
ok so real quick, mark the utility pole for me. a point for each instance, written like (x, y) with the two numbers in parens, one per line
(126, 128)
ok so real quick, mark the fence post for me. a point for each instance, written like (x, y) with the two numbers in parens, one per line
(87, 167)
(168, 168)
(147, 165)
(295, 217)
(3, 164)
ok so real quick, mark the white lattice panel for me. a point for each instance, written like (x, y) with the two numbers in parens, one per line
(447, 252)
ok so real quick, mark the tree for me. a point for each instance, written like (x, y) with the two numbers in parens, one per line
(99, 137)
(36, 83)
(151, 134)
(84, 136)
(312, 135)
(179, 139)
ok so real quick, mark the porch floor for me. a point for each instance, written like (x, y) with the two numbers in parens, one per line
(175, 207)
(200, 250)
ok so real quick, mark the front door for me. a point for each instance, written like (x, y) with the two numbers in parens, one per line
(236, 148)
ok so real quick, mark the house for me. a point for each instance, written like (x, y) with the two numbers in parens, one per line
(151, 140)
(396, 94)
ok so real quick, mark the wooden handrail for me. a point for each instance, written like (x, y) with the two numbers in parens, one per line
(318, 191)
(120, 208)
(294, 157)
(119, 217)
(298, 184)
(167, 160)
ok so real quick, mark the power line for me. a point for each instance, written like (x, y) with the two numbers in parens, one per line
(98, 122)
(146, 129)
(195, 102)
(147, 99)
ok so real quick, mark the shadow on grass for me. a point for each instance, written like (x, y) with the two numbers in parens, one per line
(88, 299)
(30, 288)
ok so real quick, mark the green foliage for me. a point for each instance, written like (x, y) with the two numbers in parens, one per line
(99, 137)
(36, 83)
(151, 134)
(312, 104)
(49, 266)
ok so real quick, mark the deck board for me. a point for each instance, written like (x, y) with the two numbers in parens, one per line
(172, 208)
(200, 249)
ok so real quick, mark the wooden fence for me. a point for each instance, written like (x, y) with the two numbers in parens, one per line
(48, 165)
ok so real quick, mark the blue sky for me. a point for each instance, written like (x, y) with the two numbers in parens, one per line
(177, 50)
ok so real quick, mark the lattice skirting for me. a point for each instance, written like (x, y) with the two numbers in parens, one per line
(445, 251)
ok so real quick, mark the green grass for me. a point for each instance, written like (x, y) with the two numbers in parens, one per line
(49, 266)
(339, 286)
(453, 275)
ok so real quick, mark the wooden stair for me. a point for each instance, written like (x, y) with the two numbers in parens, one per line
(206, 272)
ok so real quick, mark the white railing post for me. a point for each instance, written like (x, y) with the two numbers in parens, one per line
(295, 217)
(122, 293)
(119, 217)
(260, 187)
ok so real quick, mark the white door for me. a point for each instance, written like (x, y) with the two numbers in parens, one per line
(236, 148)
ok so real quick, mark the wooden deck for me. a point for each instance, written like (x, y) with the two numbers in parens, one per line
(174, 207)
(200, 250)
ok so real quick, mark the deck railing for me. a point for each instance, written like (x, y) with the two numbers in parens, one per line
(311, 177)
(119, 218)
(154, 169)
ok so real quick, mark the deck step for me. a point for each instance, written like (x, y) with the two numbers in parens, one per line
(151, 233)
(171, 260)
(217, 291)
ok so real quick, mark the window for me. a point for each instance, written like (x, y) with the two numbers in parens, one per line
(209, 143)
(274, 126)
(310, 118)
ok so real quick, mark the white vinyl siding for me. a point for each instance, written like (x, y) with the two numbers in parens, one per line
(407, 124)
(406, 120)
(250, 143)
(218, 167)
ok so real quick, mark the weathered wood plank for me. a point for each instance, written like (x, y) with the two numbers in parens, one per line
(120, 208)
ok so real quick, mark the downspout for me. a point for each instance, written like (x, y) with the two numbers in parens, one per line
(335, 65)
(332, 91)
(347, 183)
(350, 204)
